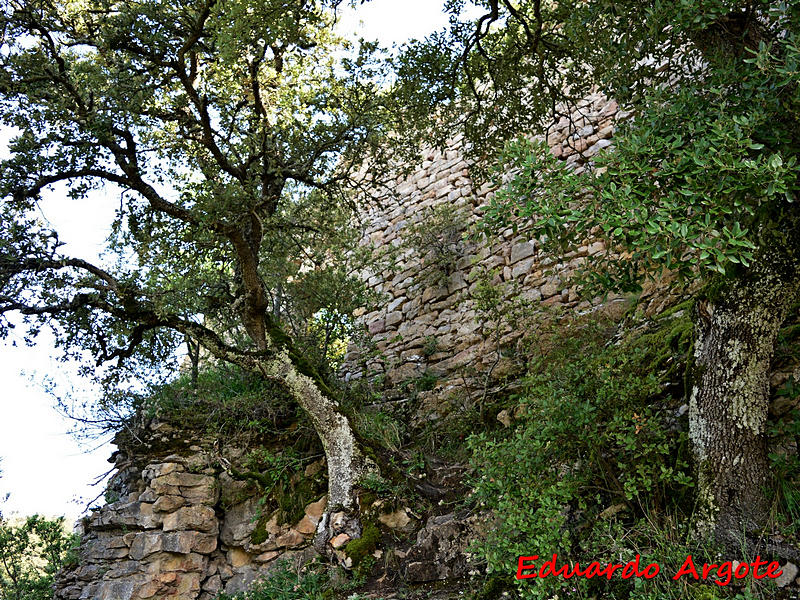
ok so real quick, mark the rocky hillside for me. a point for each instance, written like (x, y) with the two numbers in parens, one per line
(190, 516)
(201, 506)
(508, 415)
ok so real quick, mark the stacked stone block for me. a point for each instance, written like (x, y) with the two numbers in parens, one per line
(171, 536)
(413, 313)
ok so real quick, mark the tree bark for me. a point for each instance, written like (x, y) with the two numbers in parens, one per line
(347, 464)
(735, 333)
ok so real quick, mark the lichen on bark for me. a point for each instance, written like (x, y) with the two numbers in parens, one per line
(736, 330)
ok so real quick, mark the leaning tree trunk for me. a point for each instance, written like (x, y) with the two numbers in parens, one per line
(347, 464)
(736, 330)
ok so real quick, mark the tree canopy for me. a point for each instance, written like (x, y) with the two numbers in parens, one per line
(231, 134)
(702, 181)
(31, 552)
(232, 138)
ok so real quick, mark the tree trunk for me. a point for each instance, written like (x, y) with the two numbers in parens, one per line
(346, 462)
(736, 330)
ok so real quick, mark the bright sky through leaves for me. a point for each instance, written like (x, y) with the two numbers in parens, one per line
(43, 468)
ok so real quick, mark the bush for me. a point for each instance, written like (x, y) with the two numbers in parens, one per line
(288, 584)
(31, 552)
(597, 466)
(223, 400)
(438, 238)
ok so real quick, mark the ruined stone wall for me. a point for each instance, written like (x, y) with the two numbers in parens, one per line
(434, 328)
(182, 527)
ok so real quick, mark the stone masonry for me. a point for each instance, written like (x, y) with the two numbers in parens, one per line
(422, 328)
(182, 528)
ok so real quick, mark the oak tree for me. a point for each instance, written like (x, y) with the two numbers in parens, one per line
(230, 135)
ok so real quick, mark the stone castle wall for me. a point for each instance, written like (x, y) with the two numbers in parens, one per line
(185, 525)
(434, 328)
(182, 528)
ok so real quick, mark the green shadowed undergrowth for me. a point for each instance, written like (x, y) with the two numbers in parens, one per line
(286, 583)
(596, 467)
(223, 400)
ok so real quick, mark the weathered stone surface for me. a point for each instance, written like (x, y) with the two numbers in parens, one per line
(116, 590)
(170, 547)
(241, 581)
(132, 515)
(440, 551)
(398, 519)
(238, 524)
(194, 518)
(191, 562)
(267, 556)
(168, 503)
(238, 558)
(185, 542)
(393, 318)
(522, 268)
(411, 310)
(213, 585)
(787, 577)
(504, 417)
(522, 250)
(306, 526)
(145, 544)
(290, 539)
(315, 509)
(548, 290)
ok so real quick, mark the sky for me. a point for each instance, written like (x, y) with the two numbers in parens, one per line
(44, 468)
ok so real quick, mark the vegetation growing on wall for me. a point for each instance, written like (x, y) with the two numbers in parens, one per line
(596, 467)
(702, 182)
(438, 238)
(238, 133)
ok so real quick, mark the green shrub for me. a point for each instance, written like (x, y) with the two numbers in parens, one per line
(786, 469)
(379, 427)
(286, 583)
(438, 238)
(595, 467)
(223, 400)
(31, 552)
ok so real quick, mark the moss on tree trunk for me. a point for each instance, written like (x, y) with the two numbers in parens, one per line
(736, 329)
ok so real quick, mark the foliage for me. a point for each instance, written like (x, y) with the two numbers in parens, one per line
(702, 180)
(224, 400)
(786, 464)
(438, 238)
(551, 490)
(233, 135)
(286, 583)
(683, 200)
(704, 174)
(31, 552)
(501, 310)
(380, 427)
(283, 485)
